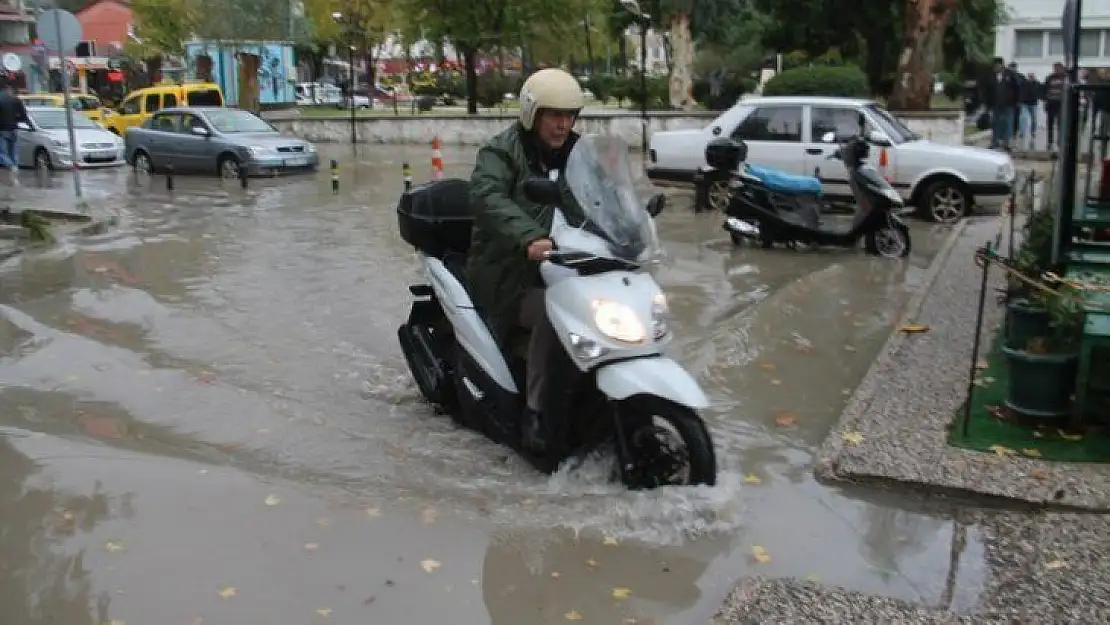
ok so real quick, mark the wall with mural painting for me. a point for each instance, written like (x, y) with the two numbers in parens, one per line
(250, 73)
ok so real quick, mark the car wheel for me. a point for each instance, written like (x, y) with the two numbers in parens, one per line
(42, 159)
(945, 201)
(142, 163)
(229, 166)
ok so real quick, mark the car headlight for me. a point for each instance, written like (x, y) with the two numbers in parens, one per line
(1005, 172)
(659, 311)
(618, 322)
(257, 150)
(892, 195)
(311, 148)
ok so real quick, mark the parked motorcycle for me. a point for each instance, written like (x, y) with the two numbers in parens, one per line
(773, 207)
(610, 381)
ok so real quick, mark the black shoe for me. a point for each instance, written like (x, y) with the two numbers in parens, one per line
(530, 436)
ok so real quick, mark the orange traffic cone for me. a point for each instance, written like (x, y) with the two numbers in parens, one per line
(437, 160)
(883, 164)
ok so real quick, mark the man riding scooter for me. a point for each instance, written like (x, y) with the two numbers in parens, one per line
(511, 233)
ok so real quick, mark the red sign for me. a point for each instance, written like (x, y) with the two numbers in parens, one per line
(115, 76)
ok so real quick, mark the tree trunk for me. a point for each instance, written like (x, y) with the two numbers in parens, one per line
(624, 54)
(470, 63)
(925, 23)
(682, 63)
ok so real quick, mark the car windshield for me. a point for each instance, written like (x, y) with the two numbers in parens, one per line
(56, 120)
(891, 125)
(232, 120)
(599, 175)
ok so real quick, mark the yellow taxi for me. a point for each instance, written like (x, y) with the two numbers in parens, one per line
(87, 103)
(140, 104)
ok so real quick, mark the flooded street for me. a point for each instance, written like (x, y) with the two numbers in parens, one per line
(207, 420)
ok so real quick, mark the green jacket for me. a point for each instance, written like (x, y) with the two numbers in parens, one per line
(505, 223)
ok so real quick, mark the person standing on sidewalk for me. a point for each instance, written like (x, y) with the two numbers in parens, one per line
(12, 112)
(1001, 94)
(1053, 99)
(1027, 111)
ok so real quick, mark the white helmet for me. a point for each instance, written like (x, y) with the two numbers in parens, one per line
(549, 89)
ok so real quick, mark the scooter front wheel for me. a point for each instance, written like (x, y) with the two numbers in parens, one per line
(663, 444)
(890, 241)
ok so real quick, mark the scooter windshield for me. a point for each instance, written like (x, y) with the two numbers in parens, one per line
(599, 175)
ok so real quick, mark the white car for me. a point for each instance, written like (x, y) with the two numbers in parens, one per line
(44, 143)
(784, 133)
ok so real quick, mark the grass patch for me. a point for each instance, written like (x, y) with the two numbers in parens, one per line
(991, 424)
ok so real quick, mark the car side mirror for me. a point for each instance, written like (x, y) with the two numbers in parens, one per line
(878, 138)
(656, 204)
(828, 137)
(23, 126)
(200, 131)
(716, 130)
(542, 190)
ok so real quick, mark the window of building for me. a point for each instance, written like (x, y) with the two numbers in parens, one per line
(1090, 44)
(1029, 44)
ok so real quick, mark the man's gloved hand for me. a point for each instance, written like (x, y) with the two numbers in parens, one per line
(538, 249)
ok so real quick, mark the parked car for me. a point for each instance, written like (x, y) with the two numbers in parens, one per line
(315, 93)
(784, 133)
(216, 140)
(44, 143)
(361, 98)
(87, 103)
(142, 103)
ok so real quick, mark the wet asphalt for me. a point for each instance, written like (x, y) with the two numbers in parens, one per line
(206, 419)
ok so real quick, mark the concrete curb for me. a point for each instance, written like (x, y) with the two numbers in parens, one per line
(825, 466)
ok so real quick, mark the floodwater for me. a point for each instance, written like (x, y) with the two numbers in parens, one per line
(206, 420)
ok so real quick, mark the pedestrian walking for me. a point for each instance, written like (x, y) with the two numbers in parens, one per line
(1053, 94)
(1001, 94)
(1027, 111)
(12, 112)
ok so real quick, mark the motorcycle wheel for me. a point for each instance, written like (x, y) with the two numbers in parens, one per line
(665, 445)
(890, 241)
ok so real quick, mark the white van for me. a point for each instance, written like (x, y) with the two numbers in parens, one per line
(310, 93)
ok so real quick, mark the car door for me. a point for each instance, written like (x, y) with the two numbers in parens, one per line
(773, 133)
(843, 121)
(130, 114)
(193, 149)
(162, 139)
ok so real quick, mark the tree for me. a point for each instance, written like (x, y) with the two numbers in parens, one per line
(923, 33)
(163, 26)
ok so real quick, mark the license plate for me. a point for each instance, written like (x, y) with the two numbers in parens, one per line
(296, 162)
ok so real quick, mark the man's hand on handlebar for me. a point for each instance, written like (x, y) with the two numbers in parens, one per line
(540, 249)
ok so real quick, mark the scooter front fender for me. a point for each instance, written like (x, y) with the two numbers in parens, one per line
(659, 376)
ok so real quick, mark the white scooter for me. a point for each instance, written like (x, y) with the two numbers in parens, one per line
(610, 381)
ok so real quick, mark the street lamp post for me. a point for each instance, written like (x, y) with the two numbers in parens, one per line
(348, 32)
(642, 19)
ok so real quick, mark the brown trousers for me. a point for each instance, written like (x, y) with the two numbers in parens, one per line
(533, 316)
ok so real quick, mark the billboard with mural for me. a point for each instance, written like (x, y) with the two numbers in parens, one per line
(229, 64)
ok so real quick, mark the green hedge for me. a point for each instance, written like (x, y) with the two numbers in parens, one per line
(731, 89)
(846, 81)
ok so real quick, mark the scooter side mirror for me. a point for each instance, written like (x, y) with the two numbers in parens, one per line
(656, 204)
(876, 137)
(541, 190)
(828, 137)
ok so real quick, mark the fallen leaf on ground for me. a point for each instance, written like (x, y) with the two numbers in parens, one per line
(1002, 450)
(554, 574)
(982, 364)
(766, 366)
(228, 592)
(573, 615)
(621, 593)
(369, 600)
(113, 546)
(67, 516)
(752, 478)
(262, 431)
(785, 419)
(760, 554)
(429, 515)
(273, 500)
(776, 382)
(1055, 564)
(1069, 437)
(323, 522)
(430, 565)
(373, 512)
(849, 348)
(609, 541)
(913, 328)
(323, 612)
(853, 438)
(1032, 453)
(590, 562)
(311, 546)
(1038, 473)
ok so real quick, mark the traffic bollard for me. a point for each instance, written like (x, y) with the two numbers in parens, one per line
(169, 177)
(242, 175)
(406, 171)
(334, 177)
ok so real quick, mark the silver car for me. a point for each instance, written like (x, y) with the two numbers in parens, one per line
(215, 139)
(45, 142)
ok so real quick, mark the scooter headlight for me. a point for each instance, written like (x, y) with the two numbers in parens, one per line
(659, 310)
(892, 195)
(618, 322)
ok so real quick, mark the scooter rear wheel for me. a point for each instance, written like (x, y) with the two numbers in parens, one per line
(890, 241)
(665, 444)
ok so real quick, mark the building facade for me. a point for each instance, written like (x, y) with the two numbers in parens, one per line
(16, 19)
(106, 23)
(1031, 35)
